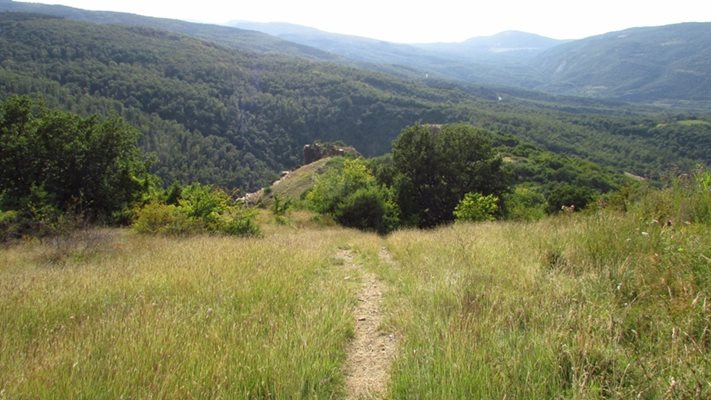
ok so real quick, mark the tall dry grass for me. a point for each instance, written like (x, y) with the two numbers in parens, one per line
(110, 314)
(607, 305)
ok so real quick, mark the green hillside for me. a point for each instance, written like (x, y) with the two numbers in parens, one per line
(640, 64)
(236, 118)
(239, 39)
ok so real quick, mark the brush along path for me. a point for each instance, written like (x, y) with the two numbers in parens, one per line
(371, 352)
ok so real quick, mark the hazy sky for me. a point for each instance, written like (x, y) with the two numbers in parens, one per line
(426, 21)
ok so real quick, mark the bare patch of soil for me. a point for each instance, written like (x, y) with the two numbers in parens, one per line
(371, 352)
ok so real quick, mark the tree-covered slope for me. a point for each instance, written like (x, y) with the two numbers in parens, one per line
(239, 39)
(640, 64)
(236, 118)
(487, 60)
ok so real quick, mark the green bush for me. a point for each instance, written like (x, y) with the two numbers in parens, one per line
(204, 203)
(157, 218)
(10, 225)
(351, 195)
(240, 221)
(525, 204)
(199, 209)
(475, 207)
(568, 195)
(369, 208)
(280, 209)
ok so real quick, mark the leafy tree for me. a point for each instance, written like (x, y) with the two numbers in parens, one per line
(89, 166)
(476, 208)
(437, 166)
(354, 198)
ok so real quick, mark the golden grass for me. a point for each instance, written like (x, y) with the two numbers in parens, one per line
(564, 308)
(605, 305)
(204, 317)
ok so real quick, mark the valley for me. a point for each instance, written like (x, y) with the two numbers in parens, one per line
(271, 211)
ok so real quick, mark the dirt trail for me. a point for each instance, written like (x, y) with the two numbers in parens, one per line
(371, 352)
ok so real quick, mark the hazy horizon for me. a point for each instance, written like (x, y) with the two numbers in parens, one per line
(421, 22)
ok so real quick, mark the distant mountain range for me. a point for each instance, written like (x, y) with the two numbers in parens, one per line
(639, 64)
(490, 60)
(511, 45)
(521, 45)
(657, 64)
(670, 62)
(224, 36)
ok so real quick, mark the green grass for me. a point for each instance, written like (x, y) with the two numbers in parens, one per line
(599, 305)
(607, 305)
(206, 317)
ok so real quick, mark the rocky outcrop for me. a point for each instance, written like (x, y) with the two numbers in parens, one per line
(317, 151)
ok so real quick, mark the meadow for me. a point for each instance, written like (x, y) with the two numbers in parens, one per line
(602, 304)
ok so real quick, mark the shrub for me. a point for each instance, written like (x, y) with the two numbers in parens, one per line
(280, 209)
(568, 195)
(475, 207)
(157, 218)
(203, 202)
(352, 196)
(199, 209)
(240, 221)
(525, 203)
(10, 225)
(369, 208)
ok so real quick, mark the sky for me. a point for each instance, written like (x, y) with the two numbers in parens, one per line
(414, 21)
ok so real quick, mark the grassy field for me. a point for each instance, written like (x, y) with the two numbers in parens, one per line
(608, 305)
(109, 314)
(603, 305)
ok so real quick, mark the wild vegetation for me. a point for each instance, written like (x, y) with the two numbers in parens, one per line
(200, 296)
(604, 304)
(56, 164)
(110, 314)
(233, 118)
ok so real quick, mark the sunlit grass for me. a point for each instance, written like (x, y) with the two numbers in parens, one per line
(602, 306)
(204, 317)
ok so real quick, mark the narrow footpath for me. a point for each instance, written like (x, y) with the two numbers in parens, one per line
(371, 352)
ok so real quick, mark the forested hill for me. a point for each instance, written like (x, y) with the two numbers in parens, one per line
(640, 64)
(239, 39)
(235, 118)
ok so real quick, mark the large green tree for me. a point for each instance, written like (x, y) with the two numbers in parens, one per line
(437, 165)
(91, 166)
